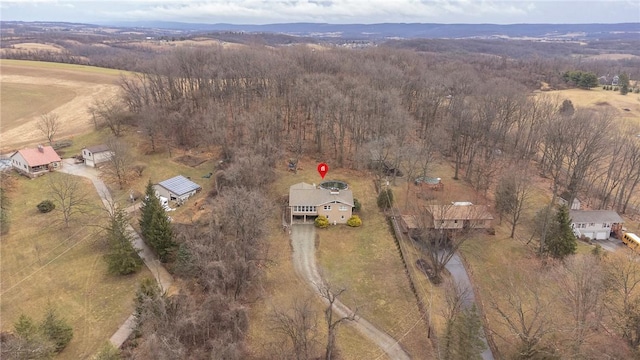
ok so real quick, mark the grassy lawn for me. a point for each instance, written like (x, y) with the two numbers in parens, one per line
(365, 261)
(43, 262)
(20, 101)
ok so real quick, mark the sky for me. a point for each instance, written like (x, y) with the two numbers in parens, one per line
(324, 11)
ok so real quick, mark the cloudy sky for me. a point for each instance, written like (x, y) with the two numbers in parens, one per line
(326, 11)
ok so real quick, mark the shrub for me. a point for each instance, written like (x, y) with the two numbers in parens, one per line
(46, 206)
(354, 221)
(322, 222)
(356, 205)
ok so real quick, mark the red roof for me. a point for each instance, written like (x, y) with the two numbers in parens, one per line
(35, 157)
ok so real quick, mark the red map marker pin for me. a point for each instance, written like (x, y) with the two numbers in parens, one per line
(323, 169)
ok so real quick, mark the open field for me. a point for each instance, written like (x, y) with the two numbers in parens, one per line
(34, 47)
(604, 100)
(31, 88)
(43, 262)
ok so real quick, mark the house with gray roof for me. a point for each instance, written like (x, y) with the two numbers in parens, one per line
(96, 155)
(306, 202)
(595, 224)
(177, 188)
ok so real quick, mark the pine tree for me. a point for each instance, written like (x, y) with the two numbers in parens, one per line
(467, 337)
(155, 225)
(624, 83)
(562, 241)
(385, 199)
(56, 329)
(122, 258)
(25, 327)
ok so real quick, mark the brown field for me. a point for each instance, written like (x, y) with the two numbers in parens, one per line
(611, 57)
(44, 262)
(36, 46)
(597, 98)
(31, 88)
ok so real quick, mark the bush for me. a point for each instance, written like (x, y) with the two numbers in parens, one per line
(356, 205)
(354, 221)
(46, 206)
(322, 222)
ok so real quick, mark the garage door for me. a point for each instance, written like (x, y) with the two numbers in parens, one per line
(588, 234)
(602, 235)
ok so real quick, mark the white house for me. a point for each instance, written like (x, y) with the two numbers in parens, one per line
(95, 155)
(595, 224)
(307, 201)
(37, 161)
(177, 188)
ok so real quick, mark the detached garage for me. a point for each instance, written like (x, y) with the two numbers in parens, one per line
(177, 188)
(595, 224)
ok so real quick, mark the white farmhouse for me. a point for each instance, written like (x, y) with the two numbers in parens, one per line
(35, 162)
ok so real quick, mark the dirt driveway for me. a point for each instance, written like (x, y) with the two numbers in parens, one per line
(304, 262)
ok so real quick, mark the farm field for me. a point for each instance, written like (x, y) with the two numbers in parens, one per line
(626, 107)
(32, 88)
(43, 262)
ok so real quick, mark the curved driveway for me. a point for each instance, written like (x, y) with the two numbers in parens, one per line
(161, 274)
(303, 243)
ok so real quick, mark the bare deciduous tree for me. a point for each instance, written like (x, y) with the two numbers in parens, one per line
(68, 195)
(299, 326)
(330, 295)
(49, 125)
(512, 194)
(120, 160)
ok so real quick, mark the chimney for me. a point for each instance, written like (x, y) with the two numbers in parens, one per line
(40, 148)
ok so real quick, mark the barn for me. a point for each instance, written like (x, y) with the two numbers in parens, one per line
(178, 188)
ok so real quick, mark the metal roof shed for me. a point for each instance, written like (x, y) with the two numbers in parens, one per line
(177, 188)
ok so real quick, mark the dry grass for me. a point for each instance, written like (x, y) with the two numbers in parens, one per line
(604, 100)
(365, 261)
(31, 88)
(42, 262)
(21, 102)
(36, 46)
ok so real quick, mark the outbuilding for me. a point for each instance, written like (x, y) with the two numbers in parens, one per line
(177, 188)
(95, 155)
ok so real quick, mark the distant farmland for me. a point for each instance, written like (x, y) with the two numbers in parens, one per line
(31, 88)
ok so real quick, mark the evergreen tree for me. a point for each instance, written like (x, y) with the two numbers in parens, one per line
(122, 258)
(56, 329)
(562, 241)
(25, 327)
(155, 225)
(385, 199)
(467, 337)
(623, 81)
(4, 214)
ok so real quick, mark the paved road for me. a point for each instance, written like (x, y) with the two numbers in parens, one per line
(161, 274)
(610, 244)
(304, 262)
(459, 274)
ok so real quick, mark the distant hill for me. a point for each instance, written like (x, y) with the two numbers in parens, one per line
(413, 30)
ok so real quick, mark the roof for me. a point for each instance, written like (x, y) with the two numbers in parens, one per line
(309, 195)
(410, 222)
(179, 185)
(459, 212)
(594, 216)
(97, 148)
(35, 157)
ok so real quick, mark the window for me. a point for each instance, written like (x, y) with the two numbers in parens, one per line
(606, 225)
(342, 217)
(592, 224)
(343, 208)
(327, 207)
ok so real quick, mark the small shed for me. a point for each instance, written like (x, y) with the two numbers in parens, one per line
(177, 188)
(563, 199)
(95, 155)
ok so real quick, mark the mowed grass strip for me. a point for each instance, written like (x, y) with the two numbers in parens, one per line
(43, 262)
(22, 101)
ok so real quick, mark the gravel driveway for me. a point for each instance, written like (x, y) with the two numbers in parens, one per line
(304, 262)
